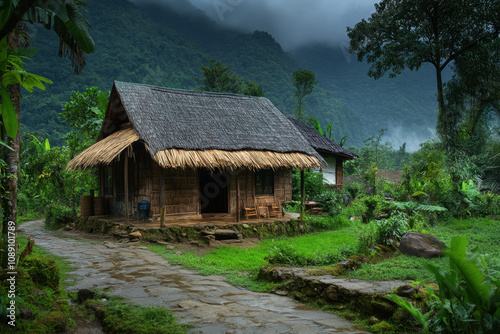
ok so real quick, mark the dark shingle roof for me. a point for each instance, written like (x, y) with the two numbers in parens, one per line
(177, 119)
(321, 143)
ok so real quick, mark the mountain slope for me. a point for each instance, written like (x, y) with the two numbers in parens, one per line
(156, 45)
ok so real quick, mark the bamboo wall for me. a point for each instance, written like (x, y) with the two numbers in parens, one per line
(282, 189)
(181, 193)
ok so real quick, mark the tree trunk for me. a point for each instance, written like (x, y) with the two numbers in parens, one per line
(442, 126)
(11, 158)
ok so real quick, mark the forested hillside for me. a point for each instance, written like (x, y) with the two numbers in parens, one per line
(158, 46)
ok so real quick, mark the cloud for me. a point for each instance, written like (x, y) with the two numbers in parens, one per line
(293, 23)
(397, 135)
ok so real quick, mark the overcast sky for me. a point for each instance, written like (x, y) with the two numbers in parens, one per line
(292, 22)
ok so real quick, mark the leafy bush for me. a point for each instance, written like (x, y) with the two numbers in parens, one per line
(43, 271)
(354, 189)
(57, 216)
(390, 231)
(355, 208)
(371, 203)
(332, 201)
(468, 300)
(366, 238)
(314, 184)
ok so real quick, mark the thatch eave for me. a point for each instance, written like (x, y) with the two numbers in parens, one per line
(104, 151)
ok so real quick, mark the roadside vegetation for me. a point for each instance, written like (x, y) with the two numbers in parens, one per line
(44, 306)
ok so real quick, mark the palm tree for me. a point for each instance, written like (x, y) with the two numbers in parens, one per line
(64, 18)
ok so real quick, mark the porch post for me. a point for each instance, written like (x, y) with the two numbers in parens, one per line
(125, 182)
(302, 193)
(162, 197)
(238, 209)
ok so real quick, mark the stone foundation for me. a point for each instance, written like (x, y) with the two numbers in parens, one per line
(202, 233)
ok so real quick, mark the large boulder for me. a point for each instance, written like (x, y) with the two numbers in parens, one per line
(421, 245)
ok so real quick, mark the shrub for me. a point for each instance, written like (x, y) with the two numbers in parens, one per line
(353, 189)
(332, 201)
(390, 231)
(467, 300)
(57, 216)
(355, 208)
(366, 238)
(371, 203)
(43, 271)
(486, 205)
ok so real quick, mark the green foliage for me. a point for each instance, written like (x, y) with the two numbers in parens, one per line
(391, 230)
(422, 319)
(57, 216)
(326, 222)
(304, 82)
(43, 179)
(221, 79)
(84, 114)
(122, 317)
(371, 203)
(314, 184)
(409, 33)
(13, 73)
(332, 201)
(354, 189)
(291, 255)
(468, 300)
(43, 271)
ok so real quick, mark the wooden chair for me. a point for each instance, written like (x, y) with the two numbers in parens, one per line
(250, 211)
(262, 209)
(275, 209)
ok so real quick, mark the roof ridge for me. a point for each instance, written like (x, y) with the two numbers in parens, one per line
(190, 92)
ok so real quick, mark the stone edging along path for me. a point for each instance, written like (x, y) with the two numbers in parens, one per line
(207, 302)
(369, 297)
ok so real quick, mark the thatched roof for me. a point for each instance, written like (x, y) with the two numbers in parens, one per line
(198, 129)
(320, 143)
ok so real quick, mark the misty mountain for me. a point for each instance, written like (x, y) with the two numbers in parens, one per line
(156, 45)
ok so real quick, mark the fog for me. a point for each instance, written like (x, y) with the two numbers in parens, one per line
(293, 23)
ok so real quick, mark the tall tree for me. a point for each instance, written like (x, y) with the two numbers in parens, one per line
(304, 81)
(408, 33)
(221, 79)
(64, 18)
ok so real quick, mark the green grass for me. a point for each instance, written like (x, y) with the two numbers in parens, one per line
(483, 234)
(241, 265)
(119, 317)
(45, 298)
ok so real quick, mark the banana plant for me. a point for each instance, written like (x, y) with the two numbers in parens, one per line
(13, 73)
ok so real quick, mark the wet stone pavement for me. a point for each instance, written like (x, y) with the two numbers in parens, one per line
(207, 302)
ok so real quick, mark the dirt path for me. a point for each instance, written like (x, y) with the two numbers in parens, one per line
(208, 302)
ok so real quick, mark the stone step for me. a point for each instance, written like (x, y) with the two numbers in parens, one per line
(222, 234)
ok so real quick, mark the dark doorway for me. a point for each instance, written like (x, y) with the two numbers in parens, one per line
(214, 189)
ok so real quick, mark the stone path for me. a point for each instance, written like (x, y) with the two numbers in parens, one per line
(208, 302)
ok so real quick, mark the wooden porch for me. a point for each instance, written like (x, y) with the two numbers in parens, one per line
(191, 221)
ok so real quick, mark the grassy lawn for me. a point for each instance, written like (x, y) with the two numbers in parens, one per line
(240, 265)
(483, 234)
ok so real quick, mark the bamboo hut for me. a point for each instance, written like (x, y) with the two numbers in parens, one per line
(333, 154)
(194, 153)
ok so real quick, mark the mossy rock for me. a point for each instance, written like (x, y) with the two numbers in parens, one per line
(384, 327)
